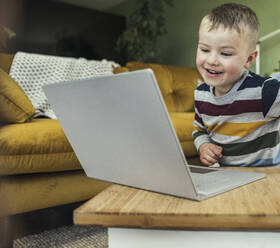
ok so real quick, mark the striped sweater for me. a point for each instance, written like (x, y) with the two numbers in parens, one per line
(245, 121)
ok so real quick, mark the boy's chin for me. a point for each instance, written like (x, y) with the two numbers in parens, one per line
(214, 82)
(211, 83)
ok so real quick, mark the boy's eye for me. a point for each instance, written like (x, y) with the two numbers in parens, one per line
(204, 50)
(226, 54)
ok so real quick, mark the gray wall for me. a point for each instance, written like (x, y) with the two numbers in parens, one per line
(179, 45)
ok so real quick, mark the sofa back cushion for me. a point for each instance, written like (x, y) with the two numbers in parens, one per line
(177, 84)
(15, 105)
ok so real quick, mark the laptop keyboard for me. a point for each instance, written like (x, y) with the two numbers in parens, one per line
(200, 170)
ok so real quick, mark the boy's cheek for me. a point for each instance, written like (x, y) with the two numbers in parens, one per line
(200, 70)
(234, 66)
(199, 60)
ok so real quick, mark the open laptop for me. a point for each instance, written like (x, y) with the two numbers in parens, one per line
(121, 132)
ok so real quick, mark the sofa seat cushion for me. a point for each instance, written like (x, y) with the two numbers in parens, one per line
(36, 146)
(23, 193)
(183, 124)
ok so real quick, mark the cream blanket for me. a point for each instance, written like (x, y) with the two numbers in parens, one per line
(32, 71)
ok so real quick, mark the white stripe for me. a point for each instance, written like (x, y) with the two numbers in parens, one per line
(245, 94)
(202, 95)
(249, 94)
(200, 140)
(241, 118)
(197, 124)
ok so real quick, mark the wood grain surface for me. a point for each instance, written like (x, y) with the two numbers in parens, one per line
(253, 206)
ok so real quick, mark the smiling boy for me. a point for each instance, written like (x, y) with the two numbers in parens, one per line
(236, 111)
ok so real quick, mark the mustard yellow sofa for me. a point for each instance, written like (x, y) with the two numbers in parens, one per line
(38, 168)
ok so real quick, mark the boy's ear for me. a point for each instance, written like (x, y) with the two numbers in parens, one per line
(251, 59)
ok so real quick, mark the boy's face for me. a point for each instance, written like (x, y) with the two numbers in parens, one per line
(222, 56)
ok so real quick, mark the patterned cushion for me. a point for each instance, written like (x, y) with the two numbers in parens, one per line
(32, 71)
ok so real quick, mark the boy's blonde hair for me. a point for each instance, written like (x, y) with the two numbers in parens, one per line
(236, 16)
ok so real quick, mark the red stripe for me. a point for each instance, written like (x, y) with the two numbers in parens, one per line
(237, 107)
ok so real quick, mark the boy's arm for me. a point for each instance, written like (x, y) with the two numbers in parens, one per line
(200, 134)
(209, 153)
(271, 99)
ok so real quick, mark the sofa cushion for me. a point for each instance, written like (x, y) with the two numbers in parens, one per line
(36, 146)
(6, 61)
(177, 84)
(120, 69)
(183, 124)
(15, 105)
(30, 192)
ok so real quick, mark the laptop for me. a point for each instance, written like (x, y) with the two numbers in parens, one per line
(121, 132)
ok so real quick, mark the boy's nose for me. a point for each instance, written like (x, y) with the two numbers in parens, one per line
(212, 59)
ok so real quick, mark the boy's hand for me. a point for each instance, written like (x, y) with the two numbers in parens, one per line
(210, 153)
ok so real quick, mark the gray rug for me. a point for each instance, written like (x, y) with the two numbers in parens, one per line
(68, 236)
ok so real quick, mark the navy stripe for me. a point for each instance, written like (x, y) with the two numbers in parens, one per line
(258, 163)
(196, 134)
(252, 81)
(203, 87)
(269, 94)
(267, 140)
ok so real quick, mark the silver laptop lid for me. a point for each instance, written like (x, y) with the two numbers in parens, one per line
(120, 130)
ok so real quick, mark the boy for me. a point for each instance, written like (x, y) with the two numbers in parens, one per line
(236, 111)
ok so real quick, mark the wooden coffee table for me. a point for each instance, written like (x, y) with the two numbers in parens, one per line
(255, 206)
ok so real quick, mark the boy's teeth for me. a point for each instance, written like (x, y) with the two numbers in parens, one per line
(214, 72)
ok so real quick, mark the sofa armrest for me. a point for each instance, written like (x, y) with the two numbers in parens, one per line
(6, 61)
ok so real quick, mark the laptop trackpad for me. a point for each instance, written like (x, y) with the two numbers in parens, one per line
(213, 181)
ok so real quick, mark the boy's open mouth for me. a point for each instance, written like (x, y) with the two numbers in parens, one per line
(213, 72)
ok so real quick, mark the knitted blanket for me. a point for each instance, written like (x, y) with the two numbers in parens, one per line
(32, 71)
